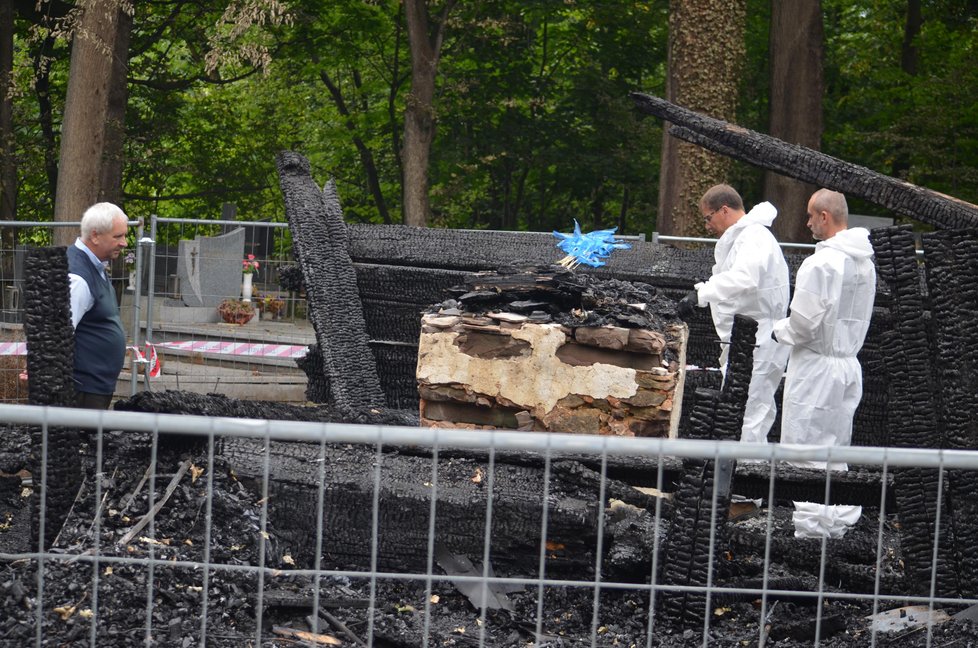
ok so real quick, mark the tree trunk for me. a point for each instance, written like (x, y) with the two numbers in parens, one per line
(8, 161)
(86, 111)
(424, 39)
(796, 105)
(795, 161)
(115, 125)
(45, 113)
(911, 29)
(706, 54)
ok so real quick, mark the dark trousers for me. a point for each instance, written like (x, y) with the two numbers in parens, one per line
(86, 400)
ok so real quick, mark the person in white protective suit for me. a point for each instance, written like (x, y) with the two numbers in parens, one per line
(833, 301)
(750, 277)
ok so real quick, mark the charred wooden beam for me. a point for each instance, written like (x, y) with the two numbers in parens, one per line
(912, 413)
(703, 494)
(320, 242)
(808, 165)
(50, 365)
(952, 257)
(405, 485)
(181, 402)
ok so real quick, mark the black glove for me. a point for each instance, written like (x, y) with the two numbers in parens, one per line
(687, 305)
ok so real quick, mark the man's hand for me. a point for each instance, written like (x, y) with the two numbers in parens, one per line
(687, 305)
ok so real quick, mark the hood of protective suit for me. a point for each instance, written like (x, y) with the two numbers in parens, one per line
(763, 213)
(853, 242)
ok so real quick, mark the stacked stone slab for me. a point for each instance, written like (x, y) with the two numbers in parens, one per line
(503, 370)
(546, 349)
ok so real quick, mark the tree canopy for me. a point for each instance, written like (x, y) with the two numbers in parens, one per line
(532, 124)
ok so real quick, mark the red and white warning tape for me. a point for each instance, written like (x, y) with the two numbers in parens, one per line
(249, 349)
(151, 358)
(217, 347)
(13, 348)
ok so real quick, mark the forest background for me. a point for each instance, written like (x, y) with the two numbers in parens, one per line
(495, 114)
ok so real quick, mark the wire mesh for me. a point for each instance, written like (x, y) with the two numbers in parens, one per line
(197, 349)
(199, 531)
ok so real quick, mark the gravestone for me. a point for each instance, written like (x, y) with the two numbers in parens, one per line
(209, 268)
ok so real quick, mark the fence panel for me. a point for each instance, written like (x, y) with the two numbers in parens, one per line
(197, 531)
(197, 350)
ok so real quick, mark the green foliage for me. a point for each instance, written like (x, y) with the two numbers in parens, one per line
(533, 123)
(921, 127)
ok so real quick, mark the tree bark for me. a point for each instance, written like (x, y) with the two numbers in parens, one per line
(8, 161)
(86, 111)
(796, 105)
(110, 186)
(801, 163)
(706, 54)
(425, 40)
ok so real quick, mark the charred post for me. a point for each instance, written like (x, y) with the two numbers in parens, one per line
(320, 245)
(912, 414)
(50, 368)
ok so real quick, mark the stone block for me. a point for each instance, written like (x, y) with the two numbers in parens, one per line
(479, 374)
(209, 268)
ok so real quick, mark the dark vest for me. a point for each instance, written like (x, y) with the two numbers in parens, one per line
(100, 342)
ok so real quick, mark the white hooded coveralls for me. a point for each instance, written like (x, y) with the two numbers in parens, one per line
(830, 312)
(750, 277)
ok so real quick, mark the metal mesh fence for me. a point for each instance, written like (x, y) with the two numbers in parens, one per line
(170, 294)
(206, 339)
(199, 531)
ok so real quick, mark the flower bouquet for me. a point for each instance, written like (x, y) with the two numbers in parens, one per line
(234, 311)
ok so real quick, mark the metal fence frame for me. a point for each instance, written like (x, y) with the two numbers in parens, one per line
(545, 444)
(145, 264)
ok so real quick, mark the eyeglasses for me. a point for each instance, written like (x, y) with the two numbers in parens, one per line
(710, 216)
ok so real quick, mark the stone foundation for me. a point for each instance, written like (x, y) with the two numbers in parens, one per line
(503, 371)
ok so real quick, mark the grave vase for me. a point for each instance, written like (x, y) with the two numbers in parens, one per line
(132, 281)
(246, 288)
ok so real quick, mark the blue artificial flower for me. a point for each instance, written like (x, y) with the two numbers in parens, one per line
(589, 248)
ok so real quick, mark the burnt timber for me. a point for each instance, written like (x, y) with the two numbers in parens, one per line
(809, 165)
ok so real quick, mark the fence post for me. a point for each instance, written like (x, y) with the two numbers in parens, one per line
(151, 289)
(134, 365)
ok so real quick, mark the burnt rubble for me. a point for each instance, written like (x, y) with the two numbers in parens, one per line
(551, 293)
(224, 507)
(249, 526)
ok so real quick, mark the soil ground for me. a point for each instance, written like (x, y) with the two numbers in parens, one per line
(165, 603)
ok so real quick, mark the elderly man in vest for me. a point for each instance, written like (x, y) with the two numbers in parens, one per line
(100, 342)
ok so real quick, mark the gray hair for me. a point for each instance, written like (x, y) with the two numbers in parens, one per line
(832, 202)
(719, 195)
(100, 218)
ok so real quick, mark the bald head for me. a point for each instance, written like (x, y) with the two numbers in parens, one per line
(828, 214)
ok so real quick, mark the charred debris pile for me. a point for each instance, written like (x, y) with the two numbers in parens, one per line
(546, 349)
(688, 535)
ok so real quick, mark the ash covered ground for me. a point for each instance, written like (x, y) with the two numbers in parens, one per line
(180, 533)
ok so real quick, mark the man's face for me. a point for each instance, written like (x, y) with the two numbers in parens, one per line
(715, 220)
(108, 245)
(817, 222)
